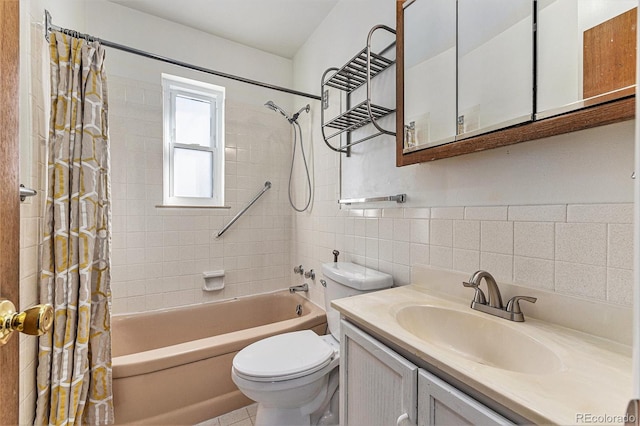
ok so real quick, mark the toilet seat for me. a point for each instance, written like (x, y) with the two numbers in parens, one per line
(283, 357)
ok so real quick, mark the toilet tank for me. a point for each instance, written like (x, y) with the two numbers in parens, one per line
(345, 279)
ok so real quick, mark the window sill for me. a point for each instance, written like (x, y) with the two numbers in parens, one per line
(171, 206)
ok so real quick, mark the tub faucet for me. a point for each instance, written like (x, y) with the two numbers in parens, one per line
(494, 306)
(296, 288)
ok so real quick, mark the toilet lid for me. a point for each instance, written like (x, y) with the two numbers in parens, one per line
(283, 357)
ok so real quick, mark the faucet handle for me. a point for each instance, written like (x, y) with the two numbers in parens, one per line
(513, 304)
(478, 297)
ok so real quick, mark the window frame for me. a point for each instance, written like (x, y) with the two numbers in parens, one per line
(172, 87)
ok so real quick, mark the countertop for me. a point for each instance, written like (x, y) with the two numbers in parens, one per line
(592, 386)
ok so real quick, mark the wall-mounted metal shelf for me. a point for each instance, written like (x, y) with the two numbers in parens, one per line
(354, 74)
(357, 117)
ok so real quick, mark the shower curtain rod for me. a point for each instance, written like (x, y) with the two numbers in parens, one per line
(49, 26)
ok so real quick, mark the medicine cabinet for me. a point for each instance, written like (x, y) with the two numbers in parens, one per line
(476, 75)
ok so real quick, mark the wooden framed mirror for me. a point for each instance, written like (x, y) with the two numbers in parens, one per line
(579, 115)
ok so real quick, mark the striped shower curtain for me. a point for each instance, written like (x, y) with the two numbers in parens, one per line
(74, 360)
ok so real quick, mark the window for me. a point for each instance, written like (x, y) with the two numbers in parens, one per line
(193, 142)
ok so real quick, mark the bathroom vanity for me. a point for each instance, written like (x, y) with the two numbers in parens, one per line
(417, 355)
(419, 396)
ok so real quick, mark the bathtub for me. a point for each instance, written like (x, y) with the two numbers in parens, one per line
(174, 366)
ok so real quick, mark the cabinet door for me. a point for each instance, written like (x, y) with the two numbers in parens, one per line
(429, 73)
(442, 404)
(377, 386)
(495, 64)
(586, 53)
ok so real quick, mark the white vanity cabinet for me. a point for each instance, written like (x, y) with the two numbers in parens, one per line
(380, 387)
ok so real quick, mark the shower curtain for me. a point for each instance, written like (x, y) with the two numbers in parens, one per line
(74, 360)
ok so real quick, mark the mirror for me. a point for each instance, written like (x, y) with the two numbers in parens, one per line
(512, 84)
(495, 64)
(430, 72)
(586, 53)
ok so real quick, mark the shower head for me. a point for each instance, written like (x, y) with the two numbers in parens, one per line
(276, 108)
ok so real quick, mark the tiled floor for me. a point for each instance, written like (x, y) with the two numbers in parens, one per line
(241, 417)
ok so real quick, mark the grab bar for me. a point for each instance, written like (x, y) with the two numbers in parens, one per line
(267, 185)
(400, 198)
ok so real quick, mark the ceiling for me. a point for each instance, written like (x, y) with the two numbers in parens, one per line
(276, 26)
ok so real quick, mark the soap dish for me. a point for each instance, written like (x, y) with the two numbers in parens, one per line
(213, 280)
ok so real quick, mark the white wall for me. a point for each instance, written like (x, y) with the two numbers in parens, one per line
(126, 26)
(486, 210)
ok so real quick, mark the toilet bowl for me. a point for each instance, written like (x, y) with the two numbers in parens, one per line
(294, 376)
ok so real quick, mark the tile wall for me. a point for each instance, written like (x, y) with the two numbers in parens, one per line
(580, 250)
(584, 250)
(159, 254)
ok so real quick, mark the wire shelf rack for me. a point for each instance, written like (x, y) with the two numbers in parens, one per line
(356, 73)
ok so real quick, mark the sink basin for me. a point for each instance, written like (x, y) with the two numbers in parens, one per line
(483, 340)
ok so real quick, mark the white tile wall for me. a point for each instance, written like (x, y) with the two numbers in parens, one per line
(496, 237)
(466, 234)
(552, 213)
(534, 239)
(582, 250)
(159, 254)
(486, 213)
(620, 246)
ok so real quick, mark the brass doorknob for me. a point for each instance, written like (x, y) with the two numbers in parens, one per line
(36, 320)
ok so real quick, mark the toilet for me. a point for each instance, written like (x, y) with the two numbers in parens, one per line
(294, 376)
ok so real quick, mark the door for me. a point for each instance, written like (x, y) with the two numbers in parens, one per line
(442, 404)
(9, 200)
(495, 65)
(378, 387)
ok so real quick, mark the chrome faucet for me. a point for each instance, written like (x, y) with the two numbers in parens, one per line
(494, 306)
(495, 300)
(296, 288)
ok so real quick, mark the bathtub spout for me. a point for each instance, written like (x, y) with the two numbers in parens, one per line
(295, 288)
